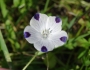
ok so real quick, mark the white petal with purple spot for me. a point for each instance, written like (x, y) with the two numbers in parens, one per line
(57, 20)
(54, 24)
(27, 34)
(31, 34)
(44, 45)
(59, 39)
(38, 22)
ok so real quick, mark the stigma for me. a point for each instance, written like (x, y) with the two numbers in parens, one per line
(45, 33)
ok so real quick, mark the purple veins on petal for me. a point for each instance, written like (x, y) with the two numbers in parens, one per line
(63, 39)
(27, 34)
(36, 16)
(44, 49)
(57, 19)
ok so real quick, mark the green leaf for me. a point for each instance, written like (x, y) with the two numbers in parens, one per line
(81, 54)
(22, 7)
(83, 43)
(11, 34)
(4, 48)
(69, 44)
(16, 3)
(51, 60)
(87, 62)
(65, 21)
(3, 8)
(82, 36)
(30, 3)
(71, 23)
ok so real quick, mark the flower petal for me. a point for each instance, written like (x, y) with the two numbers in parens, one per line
(59, 39)
(31, 35)
(54, 24)
(38, 21)
(44, 45)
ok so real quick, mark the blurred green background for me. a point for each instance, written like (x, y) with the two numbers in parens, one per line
(15, 51)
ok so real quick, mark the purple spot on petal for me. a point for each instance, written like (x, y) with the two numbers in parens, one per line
(63, 39)
(44, 49)
(36, 16)
(27, 34)
(57, 19)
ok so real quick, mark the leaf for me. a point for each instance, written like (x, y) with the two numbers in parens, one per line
(71, 23)
(51, 60)
(69, 44)
(82, 36)
(11, 33)
(16, 3)
(22, 7)
(4, 48)
(87, 62)
(81, 54)
(83, 43)
(65, 21)
(3, 8)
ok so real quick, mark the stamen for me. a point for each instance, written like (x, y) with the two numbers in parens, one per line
(45, 33)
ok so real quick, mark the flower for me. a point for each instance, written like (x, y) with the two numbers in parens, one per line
(45, 32)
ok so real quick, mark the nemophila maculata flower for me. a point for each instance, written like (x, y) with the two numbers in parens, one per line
(45, 32)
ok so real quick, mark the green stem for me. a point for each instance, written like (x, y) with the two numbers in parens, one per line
(46, 5)
(30, 61)
(47, 61)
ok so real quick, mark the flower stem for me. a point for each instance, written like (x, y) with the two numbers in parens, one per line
(30, 61)
(47, 61)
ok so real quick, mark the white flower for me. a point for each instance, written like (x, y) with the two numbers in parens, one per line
(45, 32)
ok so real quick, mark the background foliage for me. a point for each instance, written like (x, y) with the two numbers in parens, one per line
(15, 16)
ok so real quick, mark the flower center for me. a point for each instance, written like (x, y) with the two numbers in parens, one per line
(45, 33)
